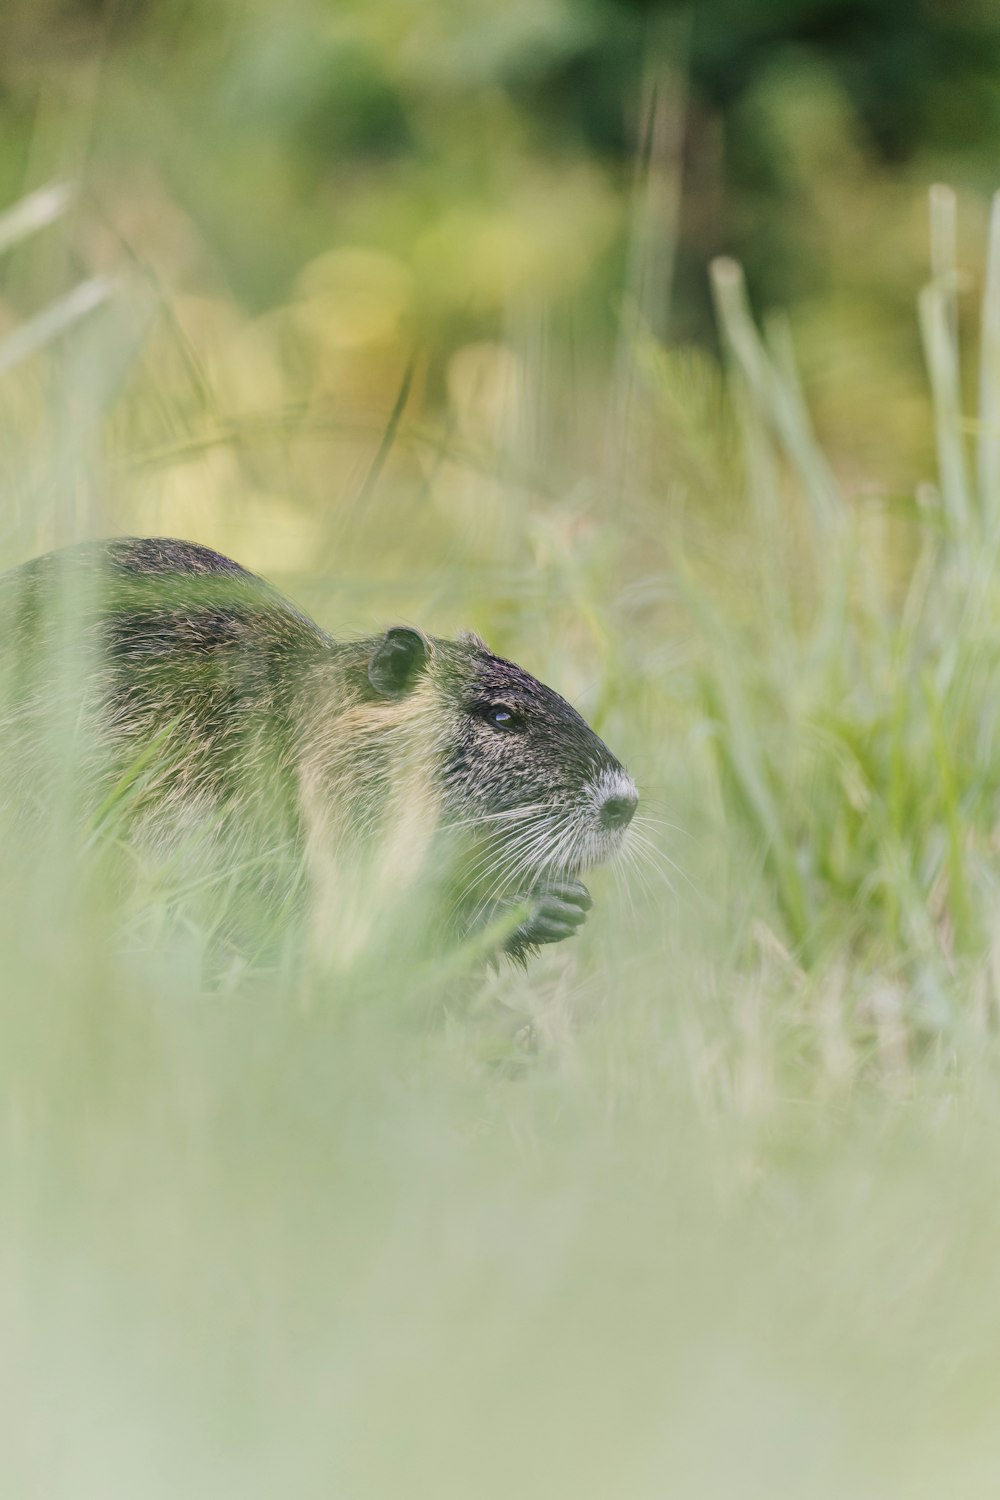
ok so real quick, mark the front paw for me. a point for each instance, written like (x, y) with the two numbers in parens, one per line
(556, 910)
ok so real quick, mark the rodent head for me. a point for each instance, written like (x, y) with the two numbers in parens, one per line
(521, 772)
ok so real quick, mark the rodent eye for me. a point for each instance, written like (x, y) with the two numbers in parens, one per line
(499, 716)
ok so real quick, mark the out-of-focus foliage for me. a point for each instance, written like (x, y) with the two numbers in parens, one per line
(405, 305)
(492, 152)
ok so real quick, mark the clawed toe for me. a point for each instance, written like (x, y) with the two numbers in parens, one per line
(572, 891)
(558, 909)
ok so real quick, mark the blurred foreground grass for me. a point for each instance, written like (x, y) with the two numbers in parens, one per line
(702, 1204)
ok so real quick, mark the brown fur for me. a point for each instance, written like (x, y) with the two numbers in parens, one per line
(383, 760)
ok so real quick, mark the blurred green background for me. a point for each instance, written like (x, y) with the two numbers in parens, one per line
(436, 173)
(432, 311)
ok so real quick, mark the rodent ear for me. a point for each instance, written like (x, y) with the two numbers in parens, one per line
(397, 661)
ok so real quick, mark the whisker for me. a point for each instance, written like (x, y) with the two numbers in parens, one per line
(500, 865)
(506, 851)
(624, 889)
(630, 859)
(527, 855)
(523, 859)
(658, 860)
(645, 819)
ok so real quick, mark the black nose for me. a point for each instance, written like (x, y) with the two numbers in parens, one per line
(617, 811)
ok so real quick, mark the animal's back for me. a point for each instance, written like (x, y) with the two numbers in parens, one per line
(154, 641)
(177, 592)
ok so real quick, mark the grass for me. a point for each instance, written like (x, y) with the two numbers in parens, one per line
(701, 1205)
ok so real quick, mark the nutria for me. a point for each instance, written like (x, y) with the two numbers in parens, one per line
(378, 758)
